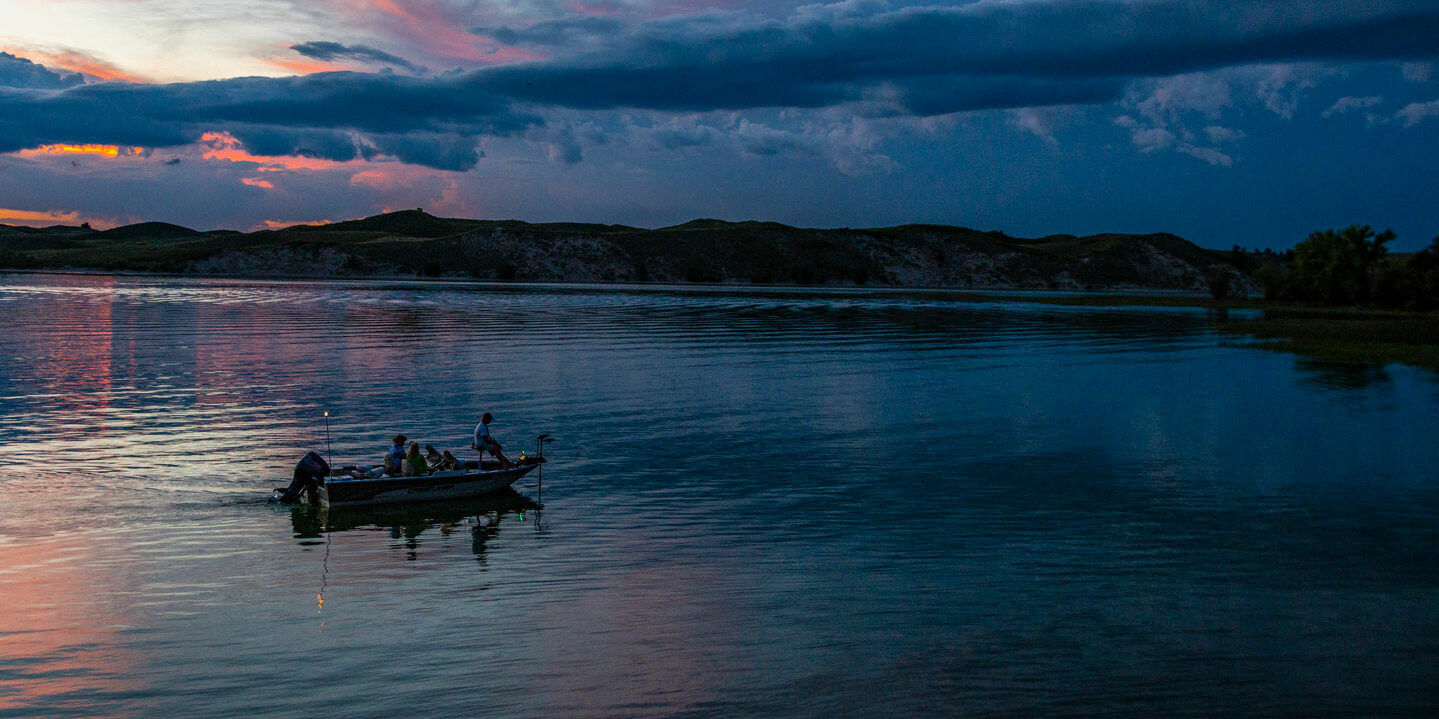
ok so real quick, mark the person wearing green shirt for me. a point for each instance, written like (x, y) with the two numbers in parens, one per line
(415, 464)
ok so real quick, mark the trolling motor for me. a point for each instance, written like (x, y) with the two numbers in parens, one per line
(539, 456)
(310, 473)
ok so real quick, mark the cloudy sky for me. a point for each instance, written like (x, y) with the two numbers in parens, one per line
(1247, 122)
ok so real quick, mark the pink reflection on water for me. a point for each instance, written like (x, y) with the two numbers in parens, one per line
(656, 636)
(72, 340)
(59, 639)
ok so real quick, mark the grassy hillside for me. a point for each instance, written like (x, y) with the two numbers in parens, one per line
(412, 242)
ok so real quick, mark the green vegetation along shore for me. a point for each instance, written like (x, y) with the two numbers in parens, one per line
(1374, 337)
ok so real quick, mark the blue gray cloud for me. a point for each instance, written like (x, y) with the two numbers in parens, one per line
(330, 51)
(19, 72)
(919, 61)
(566, 34)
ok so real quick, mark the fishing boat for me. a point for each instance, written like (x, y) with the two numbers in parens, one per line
(317, 483)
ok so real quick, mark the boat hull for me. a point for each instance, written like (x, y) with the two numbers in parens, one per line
(440, 485)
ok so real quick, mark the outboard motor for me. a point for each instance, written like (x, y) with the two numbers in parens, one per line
(310, 473)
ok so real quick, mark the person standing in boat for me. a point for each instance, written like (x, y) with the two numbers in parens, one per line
(485, 443)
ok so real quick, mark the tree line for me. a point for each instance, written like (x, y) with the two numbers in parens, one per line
(1348, 267)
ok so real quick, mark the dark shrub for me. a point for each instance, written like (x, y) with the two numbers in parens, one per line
(1337, 267)
(1220, 281)
(695, 273)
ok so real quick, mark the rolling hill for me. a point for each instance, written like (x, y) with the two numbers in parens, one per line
(413, 243)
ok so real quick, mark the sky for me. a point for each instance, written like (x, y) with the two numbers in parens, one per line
(1248, 122)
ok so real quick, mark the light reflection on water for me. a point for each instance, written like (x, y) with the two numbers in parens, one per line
(762, 502)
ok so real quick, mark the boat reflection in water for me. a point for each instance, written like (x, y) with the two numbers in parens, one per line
(312, 524)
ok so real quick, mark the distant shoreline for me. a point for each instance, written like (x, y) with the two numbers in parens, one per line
(1345, 335)
(1122, 295)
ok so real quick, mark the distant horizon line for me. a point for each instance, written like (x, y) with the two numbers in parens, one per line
(271, 226)
(268, 226)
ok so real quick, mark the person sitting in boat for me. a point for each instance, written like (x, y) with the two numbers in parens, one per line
(432, 457)
(395, 458)
(415, 464)
(440, 462)
(485, 443)
(451, 462)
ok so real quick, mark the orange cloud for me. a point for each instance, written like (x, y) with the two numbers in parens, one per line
(52, 217)
(224, 146)
(45, 218)
(306, 67)
(279, 225)
(79, 62)
(85, 149)
(257, 182)
(393, 176)
(372, 178)
(381, 171)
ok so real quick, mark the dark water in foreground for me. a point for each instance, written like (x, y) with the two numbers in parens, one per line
(761, 503)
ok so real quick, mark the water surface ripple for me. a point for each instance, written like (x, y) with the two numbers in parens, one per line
(761, 503)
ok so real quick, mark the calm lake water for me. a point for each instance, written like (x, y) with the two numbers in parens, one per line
(760, 503)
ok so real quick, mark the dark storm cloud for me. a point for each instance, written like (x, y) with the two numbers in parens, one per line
(299, 142)
(317, 115)
(444, 151)
(20, 72)
(328, 51)
(918, 61)
(359, 101)
(823, 57)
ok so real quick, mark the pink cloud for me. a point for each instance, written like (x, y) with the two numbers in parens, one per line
(432, 28)
(588, 9)
(75, 61)
(429, 27)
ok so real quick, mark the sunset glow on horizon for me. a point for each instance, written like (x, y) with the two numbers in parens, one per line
(47, 218)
